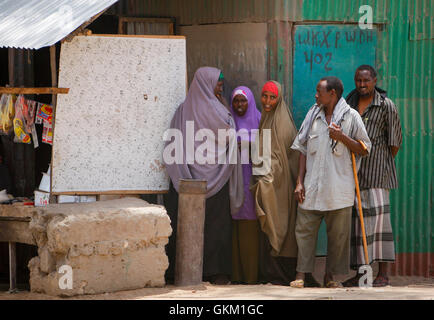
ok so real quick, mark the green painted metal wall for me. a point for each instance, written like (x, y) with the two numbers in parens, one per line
(405, 66)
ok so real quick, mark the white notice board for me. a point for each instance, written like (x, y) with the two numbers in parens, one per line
(108, 133)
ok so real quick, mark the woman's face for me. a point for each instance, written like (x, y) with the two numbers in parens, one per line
(218, 90)
(268, 100)
(240, 105)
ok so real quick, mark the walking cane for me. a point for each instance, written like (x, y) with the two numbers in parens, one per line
(359, 202)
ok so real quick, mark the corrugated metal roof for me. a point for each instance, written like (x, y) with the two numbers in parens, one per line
(33, 24)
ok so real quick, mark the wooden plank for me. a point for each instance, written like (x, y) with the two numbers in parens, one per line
(11, 66)
(113, 192)
(138, 36)
(41, 90)
(53, 68)
(146, 20)
(16, 231)
(20, 219)
(125, 20)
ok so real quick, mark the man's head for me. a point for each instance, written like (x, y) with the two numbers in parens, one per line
(328, 91)
(365, 80)
(269, 96)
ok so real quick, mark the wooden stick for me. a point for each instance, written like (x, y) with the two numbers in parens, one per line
(42, 90)
(359, 202)
(53, 68)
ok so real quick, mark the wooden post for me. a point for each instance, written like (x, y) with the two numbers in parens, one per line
(11, 56)
(53, 67)
(160, 199)
(190, 232)
(12, 245)
(12, 267)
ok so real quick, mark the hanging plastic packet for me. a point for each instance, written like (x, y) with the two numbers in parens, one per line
(45, 112)
(38, 120)
(47, 133)
(30, 123)
(3, 100)
(7, 113)
(21, 136)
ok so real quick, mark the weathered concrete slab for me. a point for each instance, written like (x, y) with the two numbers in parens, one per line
(109, 246)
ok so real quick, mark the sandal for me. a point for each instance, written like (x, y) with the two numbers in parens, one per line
(352, 282)
(297, 283)
(381, 281)
(333, 284)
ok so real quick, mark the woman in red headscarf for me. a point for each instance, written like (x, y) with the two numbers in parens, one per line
(274, 191)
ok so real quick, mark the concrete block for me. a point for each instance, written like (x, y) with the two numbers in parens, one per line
(108, 245)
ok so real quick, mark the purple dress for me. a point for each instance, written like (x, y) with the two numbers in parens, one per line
(250, 120)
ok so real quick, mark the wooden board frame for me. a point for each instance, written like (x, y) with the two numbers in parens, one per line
(41, 90)
(170, 21)
(119, 192)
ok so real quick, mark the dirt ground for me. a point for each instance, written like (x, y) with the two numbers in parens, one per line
(402, 288)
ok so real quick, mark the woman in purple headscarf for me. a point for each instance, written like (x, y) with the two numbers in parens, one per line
(203, 108)
(245, 226)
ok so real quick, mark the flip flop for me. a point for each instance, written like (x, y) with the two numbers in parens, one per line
(381, 281)
(297, 283)
(333, 284)
(352, 282)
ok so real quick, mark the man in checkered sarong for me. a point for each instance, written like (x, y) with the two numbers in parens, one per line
(377, 175)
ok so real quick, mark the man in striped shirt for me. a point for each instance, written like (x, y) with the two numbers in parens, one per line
(377, 175)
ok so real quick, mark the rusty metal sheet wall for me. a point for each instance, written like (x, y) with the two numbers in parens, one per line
(190, 12)
(239, 50)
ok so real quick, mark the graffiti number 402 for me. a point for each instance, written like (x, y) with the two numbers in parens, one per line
(318, 59)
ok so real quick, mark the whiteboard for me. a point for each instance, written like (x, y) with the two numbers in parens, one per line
(108, 133)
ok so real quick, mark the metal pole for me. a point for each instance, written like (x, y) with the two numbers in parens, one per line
(190, 232)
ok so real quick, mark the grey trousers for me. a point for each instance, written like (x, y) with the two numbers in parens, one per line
(338, 239)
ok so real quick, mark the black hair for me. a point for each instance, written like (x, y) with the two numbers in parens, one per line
(369, 68)
(334, 83)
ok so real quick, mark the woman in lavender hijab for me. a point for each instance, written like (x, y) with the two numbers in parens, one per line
(205, 108)
(245, 226)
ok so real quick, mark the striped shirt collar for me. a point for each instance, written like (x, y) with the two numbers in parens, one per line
(353, 98)
(378, 100)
